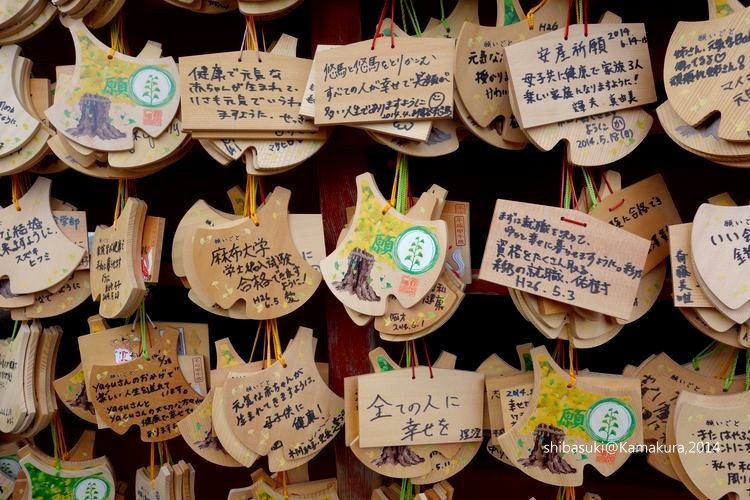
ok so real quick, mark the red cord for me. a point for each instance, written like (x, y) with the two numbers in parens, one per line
(573, 221)
(261, 190)
(393, 14)
(567, 23)
(380, 25)
(427, 356)
(585, 17)
(564, 171)
(413, 359)
(604, 176)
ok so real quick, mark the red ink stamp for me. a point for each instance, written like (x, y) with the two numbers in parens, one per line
(152, 117)
(408, 285)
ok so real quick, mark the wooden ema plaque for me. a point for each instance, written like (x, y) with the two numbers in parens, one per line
(19, 126)
(423, 464)
(411, 81)
(116, 276)
(645, 209)
(257, 264)
(585, 416)
(482, 70)
(160, 488)
(597, 139)
(575, 258)
(704, 72)
(17, 363)
(662, 380)
(718, 428)
(198, 431)
(150, 393)
(384, 254)
(72, 480)
(608, 70)
(35, 254)
(110, 97)
(686, 292)
(720, 242)
(70, 295)
(243, 91)
(397, 409)
(284, 411)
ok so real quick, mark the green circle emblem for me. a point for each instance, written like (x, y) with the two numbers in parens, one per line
(416, 250)
(151, 86)
(610, 420)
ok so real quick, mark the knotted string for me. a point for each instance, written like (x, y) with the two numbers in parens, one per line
(530, 15)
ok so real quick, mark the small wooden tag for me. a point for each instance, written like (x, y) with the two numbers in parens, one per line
(646, 209)
(396, 409)
(151, 243)
(73, 225)
(585, 77)
(686, 292)
(116, 274)
(564, 255)
(17, 361)
(411, 81)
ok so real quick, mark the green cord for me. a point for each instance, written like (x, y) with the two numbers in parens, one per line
(402, 190)
(705, 352)
(144, 330)
(406, 489)
(568, 192)
(590, 188)
(443, 20)
(16, 327)
(730, 377)
(54, 446)
(407, 6)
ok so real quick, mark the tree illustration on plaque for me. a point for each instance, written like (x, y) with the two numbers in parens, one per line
(94, 120)
(548, 439)
(397, 455)
(356, 279)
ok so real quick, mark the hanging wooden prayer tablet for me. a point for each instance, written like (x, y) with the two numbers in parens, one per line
(564, 255)
(356, 83)
(243, 91)
(35, 254)
(150, 393)
(705, 72)
(197, 430)
(555, 78)
(720, 242)
(17, 362)
(258, 264)
(396, 409)
(717, 427)
(291, 428)
(662, 380)
(18, 123)
(111, 95)
(646, 209)
(572, 422)
(384, 253)
(482, 70)
(116, 275)
(71, 480)
(686, 292)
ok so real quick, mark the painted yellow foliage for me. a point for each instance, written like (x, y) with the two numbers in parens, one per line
(372, 223)
(555, 397)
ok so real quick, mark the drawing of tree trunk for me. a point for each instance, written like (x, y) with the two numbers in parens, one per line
(94, 120)
(357, 276)
(82, 401)
(551, 438)
(397, 455)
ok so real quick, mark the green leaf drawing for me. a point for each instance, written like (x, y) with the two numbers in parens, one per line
(151, 90)
(610, 424)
